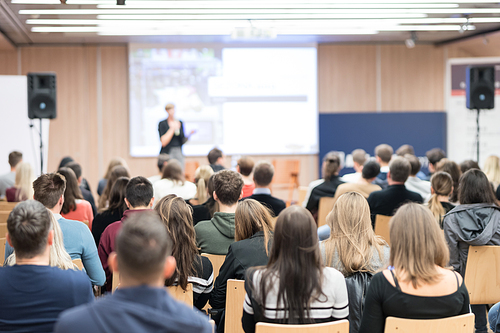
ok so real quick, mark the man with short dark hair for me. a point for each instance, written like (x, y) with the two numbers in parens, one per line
(87, 195)
(7, 180)
(415, 184)
(215, 236)
(141, 304)
(434, 156)
(263, 176)
(245, 167)
(216, 159)
(161, 162)
(386, 201)
(138, 198)
(383, 155)
(32, 293)
(358, 160)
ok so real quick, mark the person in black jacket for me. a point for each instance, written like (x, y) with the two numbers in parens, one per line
(253, 233)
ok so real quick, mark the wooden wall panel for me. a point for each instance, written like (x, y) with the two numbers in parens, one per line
(412, 79)
(8, 63)
(346, 78)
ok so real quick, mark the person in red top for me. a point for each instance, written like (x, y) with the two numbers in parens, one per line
(245, 168)
(138, 197)
(74, 206)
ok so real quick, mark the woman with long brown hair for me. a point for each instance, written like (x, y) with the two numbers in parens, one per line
(191, 267)
(294, 287)
(115, 161)
(74, 206)
(441, 189)
(417, 285)
(117, 172)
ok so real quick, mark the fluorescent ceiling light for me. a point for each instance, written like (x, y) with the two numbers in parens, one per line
(425, 28)
(168, 4)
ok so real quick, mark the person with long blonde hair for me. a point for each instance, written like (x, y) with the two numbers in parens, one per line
(418, 284)
(441, 189)
(492, 170)
(201, 177)
(23, 187)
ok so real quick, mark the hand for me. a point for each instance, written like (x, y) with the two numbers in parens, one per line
(176, 125)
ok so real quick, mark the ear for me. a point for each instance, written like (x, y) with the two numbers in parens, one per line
(8, 240)
(80, 180)
(113, 262)
(377, 158)
(127, 203)
(389, 174)
(241, 195)
(50, 238)
(61, 200)
(214, 196)
(151, 202)
(432, 191)
(169, 268)
(238, 168)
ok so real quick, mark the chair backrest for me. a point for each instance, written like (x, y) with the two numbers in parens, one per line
(235, 297)
(116, 281)
(7, 206)
(382, 227)
(78, 263)
(3, 216)
(190, 169)
(217, 260)
(324, 208)
(457, 324)
(302, 194)
(483, 265)
(341, 326)
(3, 229)
(2, 250)
(286, 172)
(184, 296)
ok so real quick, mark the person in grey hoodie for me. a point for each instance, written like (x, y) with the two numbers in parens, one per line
(476, 221)
(215, 236)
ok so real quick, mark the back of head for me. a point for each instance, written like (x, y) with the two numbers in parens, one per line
(400, 169)
(453, 170)
(417, 245)
(173, 171)
(331, 165)
(142, 246)
(201, 177)
(405, 149)
(76, 167)
(24, 181)
(227, 186)
(371, 169)
(359, 156)
(14, 158)
(384, 152)
(435, 155)
(48, 189)
(65, 161)
(115, 161)
(251, 217)
(115, 173)
(139, 192)
(162, 159)
(214, 155)
(442, 184)
(414, 163)
(475, 188)
(491, 169)
(117, 195)
(467, 165)
(72, 192)
(246, 165)
(28, 225)
(263, 173)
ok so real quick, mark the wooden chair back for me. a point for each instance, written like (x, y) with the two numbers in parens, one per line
(235, 297)
(78, 263)
(217, 261)
(3, 230)
(286, 173)
(482, 273)
(341, 326)
(116, 281)
(190, 169)
(184, 296)
(7, 206)
(302, 195)
(382, 227)
(324, 208)
(4, 215)
(2, 250)
(456, 324)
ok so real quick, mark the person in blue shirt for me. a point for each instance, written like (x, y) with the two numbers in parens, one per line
(141, 303)
(32, 293)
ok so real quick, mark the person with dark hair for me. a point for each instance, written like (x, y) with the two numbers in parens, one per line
(386, 201)
(245, 167)
(331, 168)
(141, 304)
(138, 198)
(87, 195)
(78, 241)
(172, 135)
(216, 159)
(115, 173)
(383, 155)
(74, 207)
(173, 182)
(434, 156)
(32, 293)
(467, 165)
(294, 287)
(405, 149)
(206, 210)
(215, 236)
(475, 221)
(161, 163)
(253, 238)
(415, 184)
(191, 267)
(262, 177)
(358, 160)
(453, 170)
(115, 210)
(8, 180)
(115, 161)
(83, 182)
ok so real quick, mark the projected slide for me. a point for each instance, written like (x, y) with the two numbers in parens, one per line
(242, 100)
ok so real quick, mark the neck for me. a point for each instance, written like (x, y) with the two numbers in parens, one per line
(13, 169)
(126, 282)
(227, 209)
(365, 181)
(392, 182)
(39, 260)
(260, 186)
(56, 209)
(139, 208)
(443, 198)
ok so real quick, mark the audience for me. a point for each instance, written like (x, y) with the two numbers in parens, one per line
(115, 210)
(22, 189)
(215, 236)
(467, 165)
(141, 304)
(161, 163)
(78, 242)
(415, 184)
(492, 170)
(253, 233)
(385, 202)
(116, 161)
(331, 167)
(8, 180)
(173, 182)
(475, 221)
(263, 176)
(245, 167)
(33, 294)
(68, 160)
(191, 267)
(383, 155)
(117, 172)
(359, 160)
(216, 159)
(206, 210)
(434, 156)
(87, 195)
(441, 189)
(138, 198)
(417, 285)
(354, 250)
(74, 207)
(408, 149)
(201, 177)
(294, 287)
(453, 170)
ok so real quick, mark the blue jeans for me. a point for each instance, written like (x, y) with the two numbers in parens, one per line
(480, 318)
(493, 318)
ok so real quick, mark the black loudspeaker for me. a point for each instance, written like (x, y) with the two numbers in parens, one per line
(42, 95)
(480, 90)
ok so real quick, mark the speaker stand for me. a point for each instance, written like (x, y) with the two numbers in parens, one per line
(477, 134)
(41, 147)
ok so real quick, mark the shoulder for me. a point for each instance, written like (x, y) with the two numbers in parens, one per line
(67, 278)
(74, 320)
(202, 226)
(333, 274)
